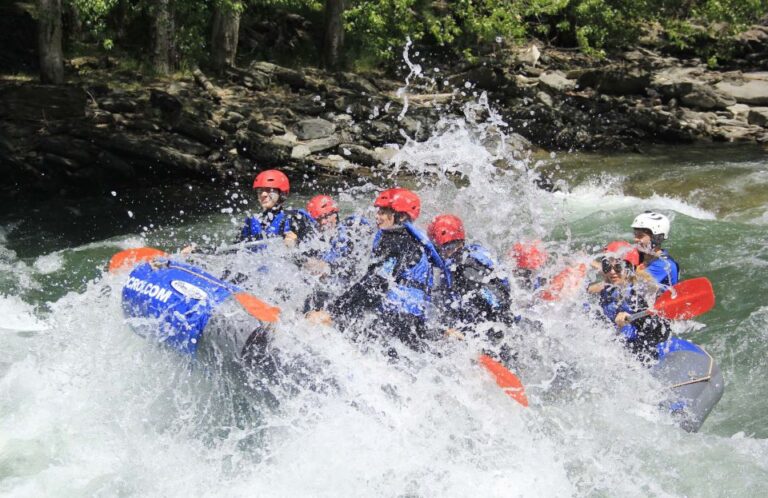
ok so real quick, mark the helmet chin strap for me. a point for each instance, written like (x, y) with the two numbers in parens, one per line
(645, 249)
(656, 241)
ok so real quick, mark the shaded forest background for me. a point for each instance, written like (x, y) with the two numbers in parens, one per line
(164, 36)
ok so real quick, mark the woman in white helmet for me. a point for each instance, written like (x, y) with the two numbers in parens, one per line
(651, 229)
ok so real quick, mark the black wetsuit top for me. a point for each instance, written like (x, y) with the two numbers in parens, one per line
(396, 251)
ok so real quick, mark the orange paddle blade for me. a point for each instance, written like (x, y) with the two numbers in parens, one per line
(258, 308)
(565, 284)
(505, 379)
(128, 258)
(685, 300)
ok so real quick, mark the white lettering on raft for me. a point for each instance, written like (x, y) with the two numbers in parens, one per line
(151, 290)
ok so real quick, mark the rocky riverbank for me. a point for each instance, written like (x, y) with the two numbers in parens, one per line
(111, 130)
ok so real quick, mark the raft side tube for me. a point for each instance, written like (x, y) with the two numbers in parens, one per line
(693, 379)
(173, 303)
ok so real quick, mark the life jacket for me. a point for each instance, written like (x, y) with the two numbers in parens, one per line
(280, 224)
(341, 243)
(479, 257)
(664, 269)
(614, 300)
(412, 288)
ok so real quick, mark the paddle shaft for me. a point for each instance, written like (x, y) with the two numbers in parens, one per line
(640, 314)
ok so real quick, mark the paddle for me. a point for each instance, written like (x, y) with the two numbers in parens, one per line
(257, 308)
(565, 284)
(685, 300)
(506, 380)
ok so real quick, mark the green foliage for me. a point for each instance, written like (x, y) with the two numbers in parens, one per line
(707, 27)
(383, 26)
(608, 23)
(93, 14)
(192, 20)
(376, 30)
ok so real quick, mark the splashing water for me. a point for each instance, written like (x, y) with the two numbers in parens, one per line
(89, 408)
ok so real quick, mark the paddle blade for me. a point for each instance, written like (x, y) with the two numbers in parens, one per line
(129, 257)
(258, 308)
(685, 300)
(565, 284)
(505, 379)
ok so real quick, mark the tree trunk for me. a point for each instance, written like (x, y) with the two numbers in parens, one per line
(226, 29)
(333, 45)
(161, 59)
(118, 19)
(49, 42)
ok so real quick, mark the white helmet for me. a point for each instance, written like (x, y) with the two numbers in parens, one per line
(657, 223)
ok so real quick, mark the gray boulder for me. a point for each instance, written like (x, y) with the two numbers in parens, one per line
(751, 91)
(706, 98)
(357, 83)
(616, 80)
(758, 116)
(310, 129)
(555, 81)
(41, 102)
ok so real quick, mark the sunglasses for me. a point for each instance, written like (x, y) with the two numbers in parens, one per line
(270, 191)
(616, 267)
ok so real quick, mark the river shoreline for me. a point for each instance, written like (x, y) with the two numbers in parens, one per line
(108, 129)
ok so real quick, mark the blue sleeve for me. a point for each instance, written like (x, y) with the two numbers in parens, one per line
(251, 229)
(629, 332)
(663, 271)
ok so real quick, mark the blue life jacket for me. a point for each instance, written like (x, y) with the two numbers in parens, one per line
(664, 269)
(482, 256)
(614, 301)
(412, 288)
(254, 228)
(341, 243)
(180, 297)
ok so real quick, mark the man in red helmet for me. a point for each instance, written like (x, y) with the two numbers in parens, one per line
(337, 239)
(272, 188)
(471, 291)
(397, 286)
(333, 254)
(528, 258)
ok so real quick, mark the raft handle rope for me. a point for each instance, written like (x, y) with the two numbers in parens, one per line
(253, 305)
(706, 378)
(202, 277)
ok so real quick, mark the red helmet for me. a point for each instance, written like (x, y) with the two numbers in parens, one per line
(272, 178)
(446, 228)
(624, 250)
(321, 205)
(529, 255)
(400, 200)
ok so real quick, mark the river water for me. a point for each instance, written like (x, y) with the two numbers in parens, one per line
(89, 408)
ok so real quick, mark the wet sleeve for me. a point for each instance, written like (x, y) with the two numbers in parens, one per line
(649, 330)
(244, 231)
(302, 226)
(365, 295)
(661, 270)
